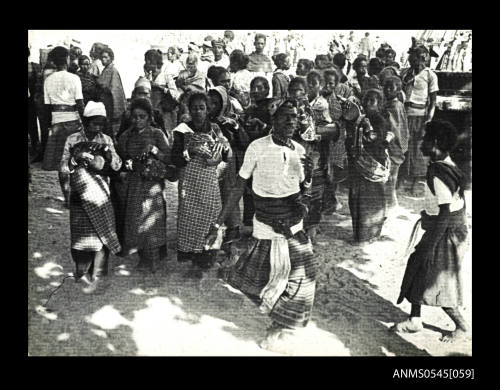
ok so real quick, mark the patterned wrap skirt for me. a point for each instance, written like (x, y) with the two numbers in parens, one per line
(55, 143)
(367, 206)
(92, 219)
(145, 214)
(438, 280)
(251, 274)
(199, 204)
(415, 166)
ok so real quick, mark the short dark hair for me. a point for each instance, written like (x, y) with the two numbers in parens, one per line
(314, 75)
(229, 34)
(298, 80)
(390, 51)
(332, 72)
(375, 65)
(279, 59)
(443, 132)
(83, 58)
(308, 64)
(108, 50)
(263, 80)
(395, 80)
(155, 56)
(143, 104)
(214, 72)
(197, 95)
(339, 59)
(59, 55)
(322, 61)
(96, 49)
(260, 36)
(238, 59)
(373, 92)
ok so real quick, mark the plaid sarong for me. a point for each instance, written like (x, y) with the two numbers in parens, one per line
(251, 274)
(58, 134)
(199, 204)
(92, 219)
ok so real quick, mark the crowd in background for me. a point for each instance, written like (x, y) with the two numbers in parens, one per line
(202, 118)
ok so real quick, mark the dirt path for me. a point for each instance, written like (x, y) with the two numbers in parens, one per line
(167, 314)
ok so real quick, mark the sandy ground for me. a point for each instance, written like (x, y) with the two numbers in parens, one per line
(168, 315)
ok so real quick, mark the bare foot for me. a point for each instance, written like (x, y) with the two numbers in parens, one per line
(453, 337)
(411, 325)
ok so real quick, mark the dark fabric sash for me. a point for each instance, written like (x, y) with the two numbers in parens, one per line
(280, 213)
(450, 175)
(62, 108)
(455, 219)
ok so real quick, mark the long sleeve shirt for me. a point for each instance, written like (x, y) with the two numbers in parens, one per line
(76, 138)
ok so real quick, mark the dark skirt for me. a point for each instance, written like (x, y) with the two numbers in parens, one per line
(438, 280)
(415, 166)
(367, 207)
(251, 274)
(55, 143)
(316, 205)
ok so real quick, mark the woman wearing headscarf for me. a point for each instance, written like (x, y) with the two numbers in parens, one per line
(111, 90)
(89, 157)
(142, 202)
(89, 81)
(199, 147)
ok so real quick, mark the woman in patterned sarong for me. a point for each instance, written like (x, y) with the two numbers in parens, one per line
(278, 271)
(89, 157)
(199, 148)
(142, 208)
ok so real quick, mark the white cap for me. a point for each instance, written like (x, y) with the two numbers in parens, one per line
(94, 109)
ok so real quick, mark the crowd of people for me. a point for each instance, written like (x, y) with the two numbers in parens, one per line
(228, 124)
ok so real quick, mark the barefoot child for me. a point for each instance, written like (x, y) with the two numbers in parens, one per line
(433, 274)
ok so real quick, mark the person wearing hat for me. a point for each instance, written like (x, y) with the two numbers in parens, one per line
(420, 85)
(278, 272)
(63, 100)
(88, 158)
(220, 58)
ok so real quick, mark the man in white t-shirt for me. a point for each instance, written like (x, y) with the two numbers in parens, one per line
(420, 85)
(279, 272)
(63, 100)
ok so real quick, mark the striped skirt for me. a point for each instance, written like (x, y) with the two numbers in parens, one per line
(415, 165)
(251, 274)
(55, 143)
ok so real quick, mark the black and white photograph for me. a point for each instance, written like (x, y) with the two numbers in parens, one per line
(255, 192)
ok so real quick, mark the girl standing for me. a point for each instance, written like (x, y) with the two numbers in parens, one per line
(142, 201)
(434, 273)
(198, 148)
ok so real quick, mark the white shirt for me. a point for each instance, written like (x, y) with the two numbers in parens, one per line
(276, 170)
(164, 80)
(63, 88)
(224, 62)
(426, 82)
(443, 195)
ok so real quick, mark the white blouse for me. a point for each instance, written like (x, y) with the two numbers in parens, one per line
(443, 195)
